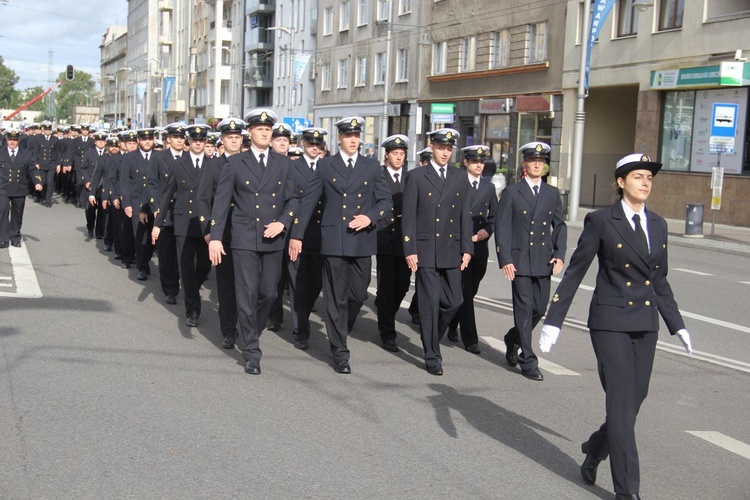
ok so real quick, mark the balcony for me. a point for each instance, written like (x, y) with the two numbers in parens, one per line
(165, 5)
(259, 75)
(165, 39)
(258, 39)
(260, 6)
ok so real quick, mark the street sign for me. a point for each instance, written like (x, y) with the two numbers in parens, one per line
(441, 118)
(296, 123)
(717, 183)
(442, 108)
(723, 127)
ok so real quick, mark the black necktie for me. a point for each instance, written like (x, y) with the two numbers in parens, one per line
(351, 167)
(312, 166)
(197, 164)
(13, 155)
(475, 184)
(262, 160)
(442, 174)
(640, 234)
(100, 153)
(536, 190)
(395, 177)
(146, 156)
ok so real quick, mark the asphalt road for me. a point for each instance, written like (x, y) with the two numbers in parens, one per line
(104, 393)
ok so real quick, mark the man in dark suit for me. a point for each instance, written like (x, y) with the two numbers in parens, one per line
(305, 274)
(133, 180)
(393, 274)
(46, 150)
(79, 146)
(123, 233)
(182, 186)
(356, 198)
(169, 273)
(425, 156)
(530, 235)
(437, 241)
(231, 137)
(260, 184)
(101, 191)
(17, 169)
(483, 204)
(85, 187)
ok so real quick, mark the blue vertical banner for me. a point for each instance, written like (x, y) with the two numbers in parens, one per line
(169, 82)
(598, 16)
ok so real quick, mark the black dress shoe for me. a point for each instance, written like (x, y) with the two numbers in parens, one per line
(16, 244)
(533, 374)
(90, 234)
(252, 367)
(589, 465)
(192, 321)
(142, 276)
(118, 256)
(511, 354)
(107, 248)
(453, 335)
(342, 367)
(473, 348)
(301, 344)
(273, 326)
(3, 244)
(435, 370)
(125, 265)
(415, 319)
(390, 345)
(625, 496)
(227, 343)
(171, 300)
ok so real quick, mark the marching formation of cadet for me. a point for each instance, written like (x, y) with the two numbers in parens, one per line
(277, 215)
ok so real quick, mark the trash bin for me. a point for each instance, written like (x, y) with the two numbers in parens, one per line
(694, 220)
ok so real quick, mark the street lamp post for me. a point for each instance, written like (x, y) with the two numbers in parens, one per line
(290, 53)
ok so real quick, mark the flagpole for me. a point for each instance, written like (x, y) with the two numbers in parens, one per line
(580, 117)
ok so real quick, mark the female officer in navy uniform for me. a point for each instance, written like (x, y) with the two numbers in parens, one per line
(631, 288)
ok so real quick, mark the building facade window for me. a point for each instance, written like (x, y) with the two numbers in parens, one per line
(325, 77)
(677, 130)
(224, 92)
(670, 14)
(402, 65)
(536, 43)
(379, 76)
(343, 74)
(500, 49)
(344, 16)
(439, 57)
(468, 54)
(362, 12)
(328, 21)
(627, 18)
(383, 8)
(404, 7)
(360, 72)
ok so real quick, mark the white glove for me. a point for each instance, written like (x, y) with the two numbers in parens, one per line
(549, 337)
(685, 339)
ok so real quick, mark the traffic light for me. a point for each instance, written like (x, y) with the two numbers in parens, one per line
(70, 72)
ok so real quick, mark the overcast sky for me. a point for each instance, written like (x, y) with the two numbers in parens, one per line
(72, 29)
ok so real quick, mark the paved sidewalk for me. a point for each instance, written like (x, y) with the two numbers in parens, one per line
(727, 239)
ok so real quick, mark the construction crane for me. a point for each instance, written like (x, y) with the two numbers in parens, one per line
(32, 101)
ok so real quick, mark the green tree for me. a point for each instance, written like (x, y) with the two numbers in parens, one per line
(30, 93)
(76, 92)
(8, 80)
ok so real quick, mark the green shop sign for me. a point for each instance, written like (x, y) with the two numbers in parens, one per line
(442, 108)
(729, 73)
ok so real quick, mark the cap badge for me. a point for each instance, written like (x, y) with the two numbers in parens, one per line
(354, 122)
(264, 116)
(398, 140)
(316, 134)
(480, 151)
(645, 158)
(449, 135)
(232, 124)
(281, 127)
(198, 130)
(539, 147)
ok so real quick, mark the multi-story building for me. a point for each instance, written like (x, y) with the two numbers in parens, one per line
(661, 82)
(258, 52)
(494, 71)
(294, 85)
(113, 51)
(368, 64)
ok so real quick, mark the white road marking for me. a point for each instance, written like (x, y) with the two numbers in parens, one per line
(6, 278)
(745, 282)
(6, 285)
(717, 322)
(723, 441)
(27, 285)
(582, 287)
(691, 271)
(704, 356)
(545, 365)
